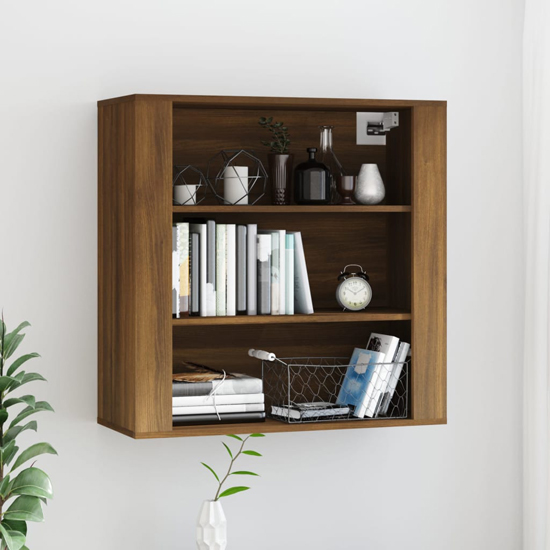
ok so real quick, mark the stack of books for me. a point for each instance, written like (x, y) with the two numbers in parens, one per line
(202, 395)
(372, 376)
(228, 269)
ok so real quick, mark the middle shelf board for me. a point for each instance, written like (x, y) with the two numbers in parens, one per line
(290, 209)
(378, 314)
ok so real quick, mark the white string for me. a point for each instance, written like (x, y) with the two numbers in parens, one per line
(213, 395)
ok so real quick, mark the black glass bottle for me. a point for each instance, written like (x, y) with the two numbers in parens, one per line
(311, 181)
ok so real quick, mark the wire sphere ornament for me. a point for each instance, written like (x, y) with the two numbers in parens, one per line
(236, 176)
(189, 185)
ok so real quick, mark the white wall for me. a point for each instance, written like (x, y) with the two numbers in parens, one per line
(451, 487)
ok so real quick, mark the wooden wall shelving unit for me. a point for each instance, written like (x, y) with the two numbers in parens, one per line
(401, 244)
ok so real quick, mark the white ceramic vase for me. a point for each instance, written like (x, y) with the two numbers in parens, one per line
(211, 526)
(370, 187)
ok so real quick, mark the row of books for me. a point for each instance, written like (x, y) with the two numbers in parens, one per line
(228, 269)
(202, 395)
(368, 387)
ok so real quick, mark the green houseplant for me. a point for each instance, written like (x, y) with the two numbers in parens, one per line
(22, 490)
(212, 525)
(279, 159)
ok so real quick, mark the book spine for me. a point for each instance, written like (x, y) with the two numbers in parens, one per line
(183, 252)
(195, 274)
(264, 274)
(241, 268)
(175, 273)
(231, 296)
(211, 268)
(289, 272)
(200, 229)
(401, 357)
(221, 270)
(215, 409)
(282, 272)
(275, 274)
(232, 418)
(251, 259)
(234, 399)
(302, 292)
(229, 387)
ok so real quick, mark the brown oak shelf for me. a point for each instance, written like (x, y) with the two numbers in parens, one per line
(291, 209)
(401, 245)
(379, 314)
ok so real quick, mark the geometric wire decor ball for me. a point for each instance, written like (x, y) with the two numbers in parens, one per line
(191, 185)
(237, 176)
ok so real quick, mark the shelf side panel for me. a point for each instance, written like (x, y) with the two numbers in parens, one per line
(135, 266)
(429, 264)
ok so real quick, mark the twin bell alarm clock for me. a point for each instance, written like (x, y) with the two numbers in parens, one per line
(353, 291)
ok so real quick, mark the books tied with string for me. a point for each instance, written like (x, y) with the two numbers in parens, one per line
(203, 395)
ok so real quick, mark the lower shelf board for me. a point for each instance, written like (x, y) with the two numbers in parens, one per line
(272, 426)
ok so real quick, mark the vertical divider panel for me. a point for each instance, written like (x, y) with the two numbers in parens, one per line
(429, 263)
(135, 321)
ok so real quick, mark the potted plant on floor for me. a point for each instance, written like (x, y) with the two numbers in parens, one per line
(279, 160)
(22, 490)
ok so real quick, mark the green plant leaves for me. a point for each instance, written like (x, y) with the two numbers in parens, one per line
(18, 362)
(215, 474)
(24, 378)
(233, 490)
(257, 435)
(12, 433)
(235, 437)
(34, 450)
(8, 451)
(4, 487)
(25, 508)
(244, 473)
(14, 525)
(27, 399)
(228, 450)
(14, 540)
(251, 453)
(27, 411)
(32, 482)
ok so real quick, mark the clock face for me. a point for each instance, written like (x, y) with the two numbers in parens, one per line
(354, 293)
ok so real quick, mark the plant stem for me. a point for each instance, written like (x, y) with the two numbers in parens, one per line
(229, 471)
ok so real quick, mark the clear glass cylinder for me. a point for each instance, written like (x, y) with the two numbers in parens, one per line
(329, 159)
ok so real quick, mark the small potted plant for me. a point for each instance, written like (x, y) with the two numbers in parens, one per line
(212, 525)
(279, 159)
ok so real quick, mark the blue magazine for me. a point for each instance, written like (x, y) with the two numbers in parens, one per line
(354, 388)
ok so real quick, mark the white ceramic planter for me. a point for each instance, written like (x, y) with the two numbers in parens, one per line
(211, 527)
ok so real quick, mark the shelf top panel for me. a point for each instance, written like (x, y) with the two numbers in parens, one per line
(378, 314)
(299, 103)
(290, 209)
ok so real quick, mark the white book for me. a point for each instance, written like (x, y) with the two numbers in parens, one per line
(401, 357)
(302, 292)
(221, 269)
(197, 400)
(200, 228)
(231, 292)
(211, 268)
(388, 345)
(289, 275)
(252, 268)
(275, 269)
(183, 252)
(303, 411)
(175, 273)
(213, 409)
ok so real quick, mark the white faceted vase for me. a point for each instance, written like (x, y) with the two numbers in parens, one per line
(370, 187)
(211, 526)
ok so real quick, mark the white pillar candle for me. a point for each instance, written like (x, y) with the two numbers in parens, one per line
(185, 194)
(235, 185)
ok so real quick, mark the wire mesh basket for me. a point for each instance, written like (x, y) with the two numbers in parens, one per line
(321, 389)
